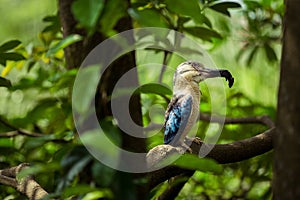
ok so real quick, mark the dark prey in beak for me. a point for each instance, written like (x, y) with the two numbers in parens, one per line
(227, 75)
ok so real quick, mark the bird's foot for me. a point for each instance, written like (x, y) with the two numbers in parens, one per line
(187, 147)
(187, 143)
(188, 140)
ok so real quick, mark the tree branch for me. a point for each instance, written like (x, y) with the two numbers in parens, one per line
(8, 181)
(20, 132)
(175, 186)
(222, 153)
(27, 186)
(264, 120)
(17, 131)
(217, 152)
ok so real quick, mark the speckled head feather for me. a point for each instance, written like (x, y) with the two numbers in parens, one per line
(195, 71)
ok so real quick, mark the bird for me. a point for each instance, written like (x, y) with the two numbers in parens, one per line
(183, 110)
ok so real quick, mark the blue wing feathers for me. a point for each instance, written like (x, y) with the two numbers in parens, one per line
(177, 116)
(172, 124)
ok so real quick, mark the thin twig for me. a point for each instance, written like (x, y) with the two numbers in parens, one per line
(13, 171)
(5, 122)
(20, 132)
(265, 120)
(9, 134)
(16, 131)
(164, 65)
(28, 133)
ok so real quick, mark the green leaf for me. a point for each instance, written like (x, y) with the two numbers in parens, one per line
(73, 163)
(87, 12)
(183, 7)
(77, 190)
(102, 174)
(99, 194)
(271, 55)
(25, 83)
(188, 8)
(36, 142)
(71, 39)
(38, 168)
(78, 167)
(75, 154)
(97, 140)
(5, 82)
(154, 88)
(251, 55)
(148, 17)
(182, 20)
(109, 18)
(65, 80)
(252, 5)
(223, 6)
(50, 18)
(7, 145)
(54, 25)
(11, 56)
(203, 33)
(46, 109)
(9, 45)
(193, 162)
(89, 192)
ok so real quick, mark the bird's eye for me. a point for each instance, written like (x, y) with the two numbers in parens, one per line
(185, 71)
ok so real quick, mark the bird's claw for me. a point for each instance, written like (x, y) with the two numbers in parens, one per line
(186, 144)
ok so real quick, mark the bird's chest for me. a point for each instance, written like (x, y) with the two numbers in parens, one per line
(194, 111)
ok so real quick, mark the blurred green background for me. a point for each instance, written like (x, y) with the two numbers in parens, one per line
(23, 19)
(247, 43)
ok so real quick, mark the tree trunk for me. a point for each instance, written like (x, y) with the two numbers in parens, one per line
(286, 183)
(74, 55)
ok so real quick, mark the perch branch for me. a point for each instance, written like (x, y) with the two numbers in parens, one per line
(222, 153)
(27, 185)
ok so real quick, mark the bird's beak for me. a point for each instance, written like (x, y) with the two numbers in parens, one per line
(212, 73)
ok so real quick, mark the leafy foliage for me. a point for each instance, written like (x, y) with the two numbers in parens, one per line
(262, 29)
(6, 54)
(194, 162)
(223, 6)
(87, 12)
(4, 82)
(67, 41)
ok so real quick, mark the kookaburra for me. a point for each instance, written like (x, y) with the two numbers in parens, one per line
(183, 109)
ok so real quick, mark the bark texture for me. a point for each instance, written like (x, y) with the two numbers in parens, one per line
(286, 183)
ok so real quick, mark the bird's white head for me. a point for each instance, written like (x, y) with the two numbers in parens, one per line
(193, 72)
